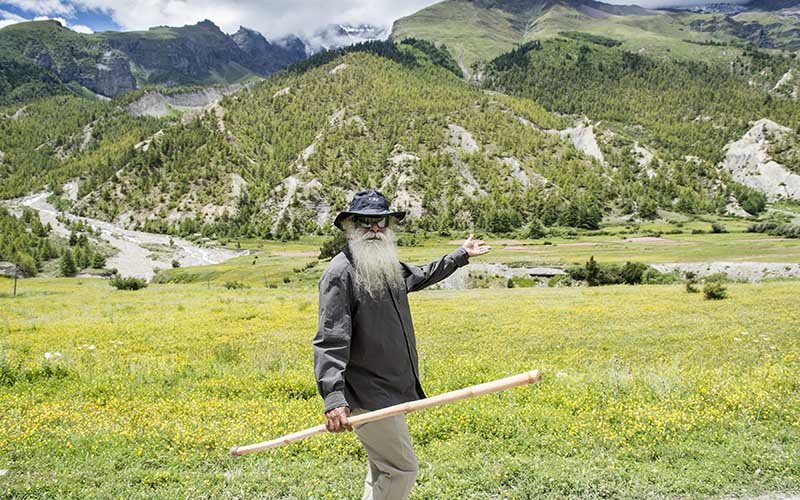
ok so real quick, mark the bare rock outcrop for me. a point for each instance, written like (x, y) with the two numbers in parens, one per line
(748, 162)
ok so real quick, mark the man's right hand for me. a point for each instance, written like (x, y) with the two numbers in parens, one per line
(336, 420)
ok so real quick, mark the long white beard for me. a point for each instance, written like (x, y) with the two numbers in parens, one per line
(375, 260)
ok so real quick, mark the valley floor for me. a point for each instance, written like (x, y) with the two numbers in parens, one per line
(139, 254)
(648, 392)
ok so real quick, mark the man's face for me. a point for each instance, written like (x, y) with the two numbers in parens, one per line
(371, 227)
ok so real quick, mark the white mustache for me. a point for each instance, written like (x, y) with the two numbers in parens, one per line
(369, 235)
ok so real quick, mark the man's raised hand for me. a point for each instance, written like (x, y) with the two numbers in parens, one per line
(475, 247)
(336, 420)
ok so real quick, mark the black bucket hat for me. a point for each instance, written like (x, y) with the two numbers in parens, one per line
(370, 203)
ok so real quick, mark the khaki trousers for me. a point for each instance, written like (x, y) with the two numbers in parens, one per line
(392, 465)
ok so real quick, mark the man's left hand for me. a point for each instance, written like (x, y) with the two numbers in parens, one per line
(475, 247)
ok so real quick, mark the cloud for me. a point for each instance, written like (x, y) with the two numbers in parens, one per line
(8, 18)
(274, 18)
(80, 28)
(48, 18)
(658, 4)
(43, 7)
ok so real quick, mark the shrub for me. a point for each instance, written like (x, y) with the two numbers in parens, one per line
(234, 285)
(632, 272)
(715, 290)
(99, 261)
(655, 277)
(592, 272)
(127, 283)
(175, 264)
(691, 283)
(761, 227)
(775, 229)
(718, 227)
(523, 282)
(752, 201)
(535, 230)
(26, 264)
(407, 240)
(332, 246)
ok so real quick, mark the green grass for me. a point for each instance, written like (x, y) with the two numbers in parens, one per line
(274, 261)
(470, 33)
(647, 392)
(480, 34)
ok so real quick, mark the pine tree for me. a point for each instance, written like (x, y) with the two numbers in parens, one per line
(67, 264)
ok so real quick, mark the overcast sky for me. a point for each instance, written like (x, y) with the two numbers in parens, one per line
(273, 18)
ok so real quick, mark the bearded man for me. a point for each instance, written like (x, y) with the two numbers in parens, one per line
(365, 352)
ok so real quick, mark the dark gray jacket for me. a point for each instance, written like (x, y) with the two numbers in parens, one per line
(365, 352)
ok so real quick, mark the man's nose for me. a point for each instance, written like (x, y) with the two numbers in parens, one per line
(375, 228)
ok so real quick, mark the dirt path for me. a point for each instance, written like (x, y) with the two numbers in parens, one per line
(140, 253)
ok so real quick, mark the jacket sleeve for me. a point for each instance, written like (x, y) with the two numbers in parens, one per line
(418, 278)
(332, 341)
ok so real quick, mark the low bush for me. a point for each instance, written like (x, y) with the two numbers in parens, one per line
(715, 290)
(234, 285)
(127, 283)
(691, 283)
(631, 273)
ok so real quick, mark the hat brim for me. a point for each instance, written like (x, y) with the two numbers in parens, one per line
(399, 215)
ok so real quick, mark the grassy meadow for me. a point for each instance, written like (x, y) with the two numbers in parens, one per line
(648, 391)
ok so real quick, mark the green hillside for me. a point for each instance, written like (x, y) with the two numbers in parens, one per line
(378, 115)
(480, 30)
(683, 108)
(45, 58)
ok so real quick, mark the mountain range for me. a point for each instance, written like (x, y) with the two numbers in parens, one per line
(45, 54)
(480, 30)
(572, 111)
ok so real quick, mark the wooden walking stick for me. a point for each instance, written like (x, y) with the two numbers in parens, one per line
(422, 404)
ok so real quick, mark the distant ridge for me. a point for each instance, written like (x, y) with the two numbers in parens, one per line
(480, 30)
(111, 63)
